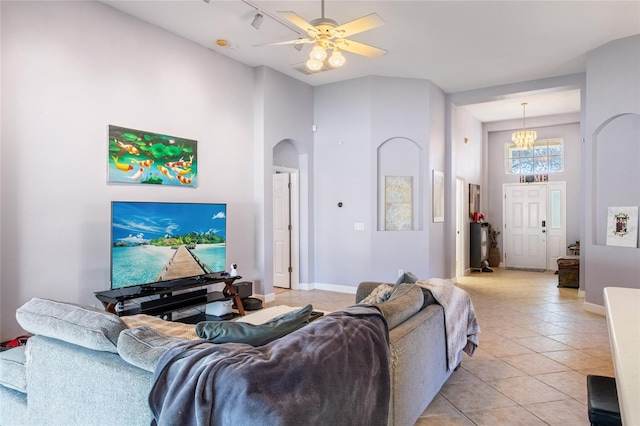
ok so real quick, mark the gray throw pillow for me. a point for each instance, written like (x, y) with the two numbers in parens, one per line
(143, 346)
(407, 277)
(405, 302)
(80, 325)
(252, 334)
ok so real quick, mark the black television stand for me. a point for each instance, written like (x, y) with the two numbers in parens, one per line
(168, 302)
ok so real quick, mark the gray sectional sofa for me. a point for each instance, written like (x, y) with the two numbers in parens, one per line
(72, 371)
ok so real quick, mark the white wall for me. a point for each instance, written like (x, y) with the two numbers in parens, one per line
(547, 128)
(69, 69)
(613, 90)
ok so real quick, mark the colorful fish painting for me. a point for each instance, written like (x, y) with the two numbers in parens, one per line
(140, 157)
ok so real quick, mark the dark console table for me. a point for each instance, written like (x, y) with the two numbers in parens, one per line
(114, 301)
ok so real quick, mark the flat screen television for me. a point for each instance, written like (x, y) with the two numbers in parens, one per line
(157, 241)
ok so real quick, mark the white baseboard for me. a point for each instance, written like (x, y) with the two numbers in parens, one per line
(596, 309)
(271, 297)
(336, 288)
(581, 293)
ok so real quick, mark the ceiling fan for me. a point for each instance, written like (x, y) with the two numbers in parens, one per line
(326, 34)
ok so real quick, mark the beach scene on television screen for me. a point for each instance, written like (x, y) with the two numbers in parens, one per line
(154, 242)
(142, 157)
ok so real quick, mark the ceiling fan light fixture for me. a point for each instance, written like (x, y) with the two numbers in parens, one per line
(318, 53)
(337, 59)
(314, 65)
(524, 139)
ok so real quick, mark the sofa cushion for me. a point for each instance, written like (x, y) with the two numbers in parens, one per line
(143, 346)
(167, 328)
(253, 334)
(406, 301)
(379, 294)
(13, 373)
(80, 325)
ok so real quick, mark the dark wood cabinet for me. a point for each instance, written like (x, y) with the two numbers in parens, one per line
(478, 245)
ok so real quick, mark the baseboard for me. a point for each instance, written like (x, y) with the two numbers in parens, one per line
(271, 297)
(581, 293)
(596, 309)
(336, 288)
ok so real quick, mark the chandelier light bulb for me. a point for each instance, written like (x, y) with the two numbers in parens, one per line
(314, 65)
(337, 59)
(318, 53)
(524, 139)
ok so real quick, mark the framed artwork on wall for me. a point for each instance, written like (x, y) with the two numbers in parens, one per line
(438, 196)
(398, 203)
(474, 199)
(141, 157)
(622, 226)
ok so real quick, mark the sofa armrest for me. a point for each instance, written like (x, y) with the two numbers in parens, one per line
(365, 288)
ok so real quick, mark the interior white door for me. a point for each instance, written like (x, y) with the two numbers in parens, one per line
(556, 226)
(281, 231)
(525, 237)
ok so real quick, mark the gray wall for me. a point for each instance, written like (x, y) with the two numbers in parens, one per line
(69, 69)
(355, 118)
(546, 128)
(467, 164)
(283, 112)
(613, 104)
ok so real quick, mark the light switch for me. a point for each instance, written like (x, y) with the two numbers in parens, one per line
(359, 226)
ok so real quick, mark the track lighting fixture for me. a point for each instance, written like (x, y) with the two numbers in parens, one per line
(257, 21)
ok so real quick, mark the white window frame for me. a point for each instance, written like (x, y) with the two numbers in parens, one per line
(510, 147)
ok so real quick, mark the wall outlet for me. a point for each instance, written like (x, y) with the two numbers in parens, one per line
(359, 226)
(400, 272)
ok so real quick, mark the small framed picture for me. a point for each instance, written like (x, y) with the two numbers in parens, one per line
(438, 196)
(622, 226)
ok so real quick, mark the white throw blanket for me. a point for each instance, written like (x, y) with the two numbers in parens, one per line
(461, 325)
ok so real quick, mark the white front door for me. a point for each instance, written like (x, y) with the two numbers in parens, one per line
(281, 231)
(525, 220)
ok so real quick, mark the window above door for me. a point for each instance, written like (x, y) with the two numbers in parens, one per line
(547, 156)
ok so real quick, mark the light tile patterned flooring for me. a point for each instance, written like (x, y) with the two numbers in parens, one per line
(536, 347)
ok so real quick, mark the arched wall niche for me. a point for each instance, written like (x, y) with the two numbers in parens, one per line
(400, 158)
(285, 154)
(615, 168)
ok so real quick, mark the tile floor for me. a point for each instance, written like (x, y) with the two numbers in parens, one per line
(536, 347)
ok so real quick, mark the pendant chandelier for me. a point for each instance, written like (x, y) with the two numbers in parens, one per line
(524, 139)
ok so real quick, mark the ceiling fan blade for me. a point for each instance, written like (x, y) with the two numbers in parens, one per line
(359, 48)
(299, 22)
(365, 23)
(280, 43)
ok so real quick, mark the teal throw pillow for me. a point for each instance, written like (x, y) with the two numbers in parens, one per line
(252, 334)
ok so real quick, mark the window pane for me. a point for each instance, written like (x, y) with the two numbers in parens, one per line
(555, 150)
(555, 209)
(513, 166)
(540, 150)
(555, 164)
(526, 165)
(540, 165)
(526, 153)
